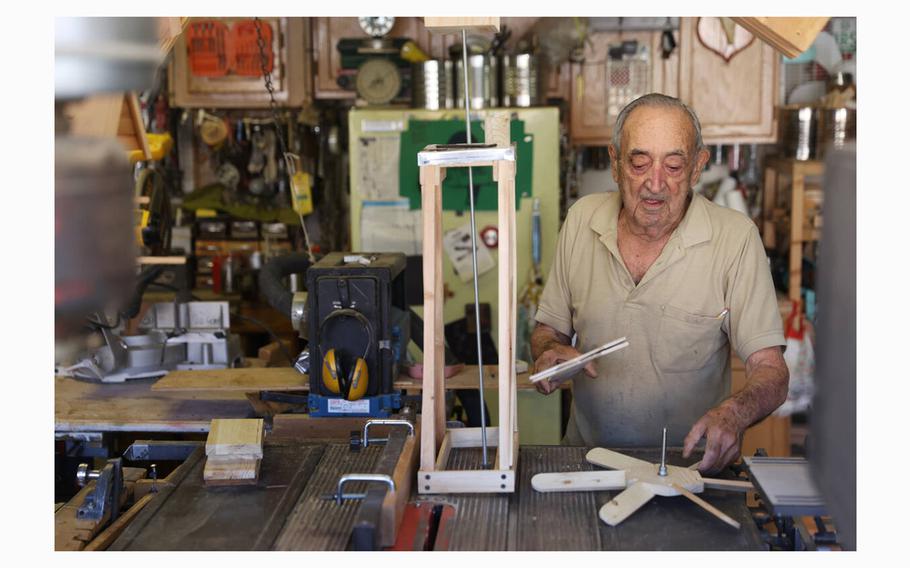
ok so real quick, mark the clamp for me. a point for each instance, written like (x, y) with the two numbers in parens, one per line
(340, 495)
(363, 440)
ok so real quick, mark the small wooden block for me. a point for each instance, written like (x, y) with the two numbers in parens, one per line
(235, 437)
(220, 470)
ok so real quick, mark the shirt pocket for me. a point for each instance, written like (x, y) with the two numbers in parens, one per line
(686, 341)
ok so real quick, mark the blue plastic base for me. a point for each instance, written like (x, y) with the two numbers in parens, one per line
(380, 406)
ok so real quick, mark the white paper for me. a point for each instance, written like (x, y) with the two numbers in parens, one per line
(378, 159)
(390, 226)
(457, 244)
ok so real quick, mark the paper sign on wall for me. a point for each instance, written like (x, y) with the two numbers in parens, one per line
(457, 244)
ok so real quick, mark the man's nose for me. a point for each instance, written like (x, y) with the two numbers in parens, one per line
(654, 182)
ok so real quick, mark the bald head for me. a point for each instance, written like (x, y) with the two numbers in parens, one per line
(657, 100)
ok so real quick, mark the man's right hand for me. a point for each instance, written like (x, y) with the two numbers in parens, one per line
(556, 354)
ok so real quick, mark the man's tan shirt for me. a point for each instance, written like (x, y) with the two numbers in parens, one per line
(677, 364)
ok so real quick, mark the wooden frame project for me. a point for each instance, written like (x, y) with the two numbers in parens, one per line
(435, 441)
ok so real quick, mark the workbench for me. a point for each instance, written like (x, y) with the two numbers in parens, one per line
(286, 511)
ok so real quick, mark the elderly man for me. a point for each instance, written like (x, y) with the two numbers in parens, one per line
(682, 279)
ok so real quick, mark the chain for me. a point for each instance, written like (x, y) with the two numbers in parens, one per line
(289, 159)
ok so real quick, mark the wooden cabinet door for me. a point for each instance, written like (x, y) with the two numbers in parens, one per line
(734, 99)
(596, 98)
(292, 80)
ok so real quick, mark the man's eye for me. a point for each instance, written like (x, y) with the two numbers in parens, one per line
(640, 165)
(674, 169)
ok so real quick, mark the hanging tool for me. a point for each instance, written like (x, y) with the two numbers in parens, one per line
(467, 122)
(297, 183)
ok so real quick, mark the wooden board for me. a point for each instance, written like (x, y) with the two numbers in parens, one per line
(235, 438)
(790, 36)
(81, 406)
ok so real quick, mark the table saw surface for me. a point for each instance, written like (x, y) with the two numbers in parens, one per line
(286, 511)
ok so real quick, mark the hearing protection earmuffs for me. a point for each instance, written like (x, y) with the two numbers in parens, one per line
(353, 384)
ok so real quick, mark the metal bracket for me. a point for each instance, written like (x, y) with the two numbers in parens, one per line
(104, 499)
(160, 450)
(340, 496)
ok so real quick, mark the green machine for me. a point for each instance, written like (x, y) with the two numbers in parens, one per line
(385, 211)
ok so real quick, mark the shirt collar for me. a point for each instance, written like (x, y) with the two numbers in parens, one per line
(695, 227)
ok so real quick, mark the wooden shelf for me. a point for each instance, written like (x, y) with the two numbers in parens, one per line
(799, 233)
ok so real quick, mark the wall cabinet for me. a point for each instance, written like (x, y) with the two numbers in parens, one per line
(226, 64)
(734, 98)
(600, 86)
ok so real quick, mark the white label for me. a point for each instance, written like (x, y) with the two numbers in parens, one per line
(382, 126)
(348, 407)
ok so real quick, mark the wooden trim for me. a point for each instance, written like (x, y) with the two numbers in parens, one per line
(453, 24)
(728, 485)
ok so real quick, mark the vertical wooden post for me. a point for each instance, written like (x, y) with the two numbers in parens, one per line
(433, 416)
(769, 201)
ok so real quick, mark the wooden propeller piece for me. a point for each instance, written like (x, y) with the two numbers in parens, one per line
(640, 480)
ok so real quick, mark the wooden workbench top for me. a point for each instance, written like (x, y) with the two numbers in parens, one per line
(289, 379)
(82, 406)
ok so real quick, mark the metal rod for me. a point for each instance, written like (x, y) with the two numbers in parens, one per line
(467, 121)
(662, 470)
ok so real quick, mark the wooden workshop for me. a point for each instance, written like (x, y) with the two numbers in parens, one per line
(446, 283)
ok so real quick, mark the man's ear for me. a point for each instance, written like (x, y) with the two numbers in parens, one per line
(700, 160)
(614, 163)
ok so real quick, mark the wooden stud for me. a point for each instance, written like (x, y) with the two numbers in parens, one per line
(433, 396)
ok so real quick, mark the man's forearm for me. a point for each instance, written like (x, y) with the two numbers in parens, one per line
(767, 380)
(545, 337)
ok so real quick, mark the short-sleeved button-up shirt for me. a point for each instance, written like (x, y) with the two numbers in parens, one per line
(710, 288)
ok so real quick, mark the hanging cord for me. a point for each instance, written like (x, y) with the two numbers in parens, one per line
(290, 160)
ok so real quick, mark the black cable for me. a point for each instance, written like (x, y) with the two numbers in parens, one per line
(271, 333)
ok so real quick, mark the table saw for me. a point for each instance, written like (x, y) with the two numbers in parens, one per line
(288, 509)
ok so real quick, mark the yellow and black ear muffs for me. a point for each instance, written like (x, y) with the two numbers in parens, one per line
(353, 385)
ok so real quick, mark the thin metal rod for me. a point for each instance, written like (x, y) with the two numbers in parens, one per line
(467, 121)
(662, 471)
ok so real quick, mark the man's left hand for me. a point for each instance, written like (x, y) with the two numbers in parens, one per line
(723, 435)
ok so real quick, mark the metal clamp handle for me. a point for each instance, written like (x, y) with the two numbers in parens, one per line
(384, 422)
(380, 477)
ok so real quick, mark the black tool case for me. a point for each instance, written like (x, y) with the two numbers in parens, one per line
(374, 285)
